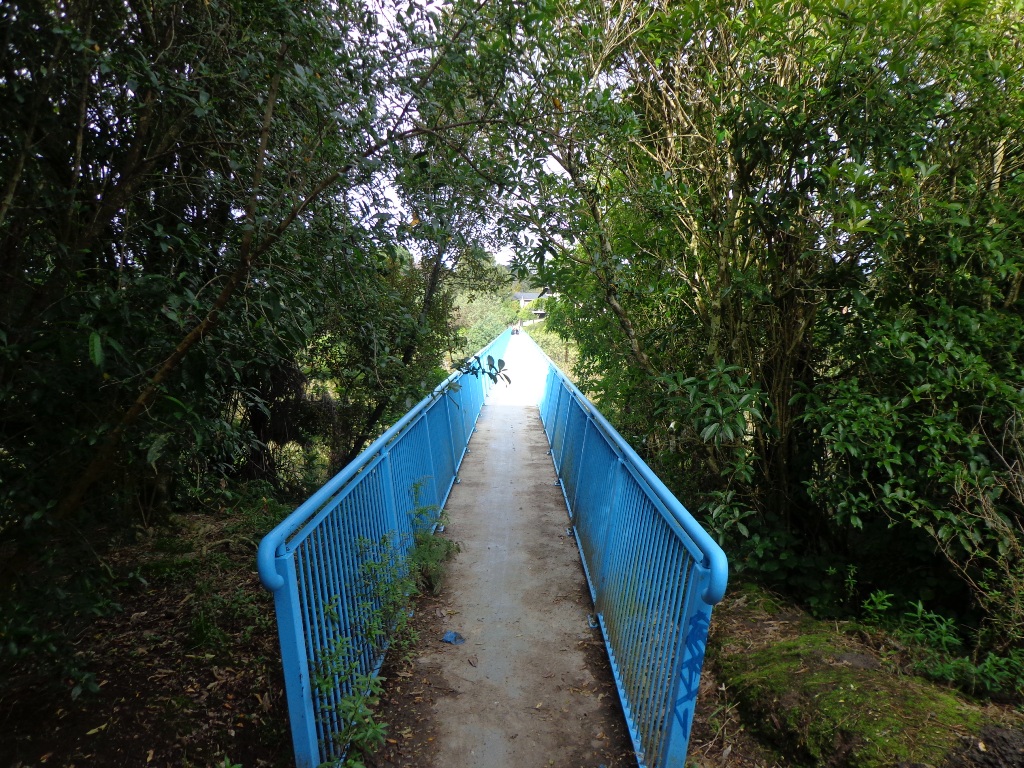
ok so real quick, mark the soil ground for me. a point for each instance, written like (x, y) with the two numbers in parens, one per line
(185, 665)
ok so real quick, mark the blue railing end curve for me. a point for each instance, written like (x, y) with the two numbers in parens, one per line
(718, 581)
(265, 556)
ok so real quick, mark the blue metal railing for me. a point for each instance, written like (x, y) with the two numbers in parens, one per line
(315, 561)
(654, 573)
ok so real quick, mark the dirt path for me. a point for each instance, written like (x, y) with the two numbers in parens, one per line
(526, 688)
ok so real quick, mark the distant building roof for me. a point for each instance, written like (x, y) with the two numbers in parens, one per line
(527, 295)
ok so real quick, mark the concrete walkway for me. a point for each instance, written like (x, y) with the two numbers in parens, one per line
(525, 688)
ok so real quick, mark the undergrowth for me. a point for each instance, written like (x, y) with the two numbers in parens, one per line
(45, 605)
(938, 649)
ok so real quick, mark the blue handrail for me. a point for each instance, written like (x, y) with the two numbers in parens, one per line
(315, 559)
(714, 558)
(653, 572)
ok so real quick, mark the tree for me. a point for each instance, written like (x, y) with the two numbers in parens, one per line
(749, 192)
(195, 196)
(164, 165)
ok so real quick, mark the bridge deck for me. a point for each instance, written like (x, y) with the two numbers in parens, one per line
(525, 687)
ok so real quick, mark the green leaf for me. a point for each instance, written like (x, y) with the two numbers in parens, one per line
(96, 349)
(156, 449)
(709, 431)
(178, 402)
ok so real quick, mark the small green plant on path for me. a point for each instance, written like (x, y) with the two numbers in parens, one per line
(430, 552)
(390, 575)
(428, 559)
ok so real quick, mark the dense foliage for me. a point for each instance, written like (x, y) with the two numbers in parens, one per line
(238, 238)
(788, 240)
(231, 232)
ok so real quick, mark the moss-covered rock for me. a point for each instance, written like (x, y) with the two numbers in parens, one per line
(826, 699)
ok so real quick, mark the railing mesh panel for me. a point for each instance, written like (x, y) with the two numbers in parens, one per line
(653, 572)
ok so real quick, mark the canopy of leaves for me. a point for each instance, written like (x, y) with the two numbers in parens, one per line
(788, 242)
(226, 227)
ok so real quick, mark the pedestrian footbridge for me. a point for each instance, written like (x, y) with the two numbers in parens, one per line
(653, 573)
